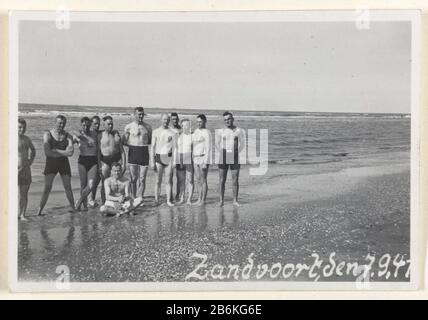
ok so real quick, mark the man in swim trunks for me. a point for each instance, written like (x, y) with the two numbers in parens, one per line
(58, 146)
(138, 138)
(164, 141)
(110, 150)
(230, 141)
(174, 125)
(184, 166)
(26, 155)
(96, 122)
(119, 199)
(88, 161)
(202, 141)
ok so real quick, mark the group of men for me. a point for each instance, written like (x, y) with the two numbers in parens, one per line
(171, 150)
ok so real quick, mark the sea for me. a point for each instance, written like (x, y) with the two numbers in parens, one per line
(296, 138)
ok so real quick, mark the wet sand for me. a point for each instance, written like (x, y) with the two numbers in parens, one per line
(352, 209)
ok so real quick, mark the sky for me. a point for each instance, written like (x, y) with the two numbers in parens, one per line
(276, 66)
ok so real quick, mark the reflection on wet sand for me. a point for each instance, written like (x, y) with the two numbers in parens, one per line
(60, 235)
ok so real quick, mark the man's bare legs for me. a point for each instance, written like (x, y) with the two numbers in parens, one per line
(222, 181)
(181, 183)
(190, 184)
(143, 175)
(86, 188)
(201, 178)
(49, 178)
(168, 184)
(134, 170)
(105, 173)
(23, 201)
(158, 184)
(235, 186)
(66, 182)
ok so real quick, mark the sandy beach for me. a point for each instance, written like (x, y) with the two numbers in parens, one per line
(352, 208)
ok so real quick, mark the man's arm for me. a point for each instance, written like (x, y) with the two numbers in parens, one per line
(125, 136)
(32, 152)
(208, 146)
(68, 152)
(99, 135)
(217, 141)
(108, 192)
(153, 150)
(47, 148)
(241, 140)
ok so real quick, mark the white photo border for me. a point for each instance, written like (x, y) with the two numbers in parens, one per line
(413, 16)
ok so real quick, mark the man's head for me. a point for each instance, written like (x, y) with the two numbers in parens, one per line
(174, 119)
(165, 118)
(139, 114)
(228, 119)
(186, 125)
(96, 121)
(22, 126)
(60, 122)
(201, 120)
(108, 123)
(116, 170)
(86, 123)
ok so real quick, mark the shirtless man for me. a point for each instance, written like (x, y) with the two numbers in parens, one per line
(58, 146)
(119, 199)
(202, 141)
(88, 161)
(110, 150)
(164, 141)
(175, 126)
(230, 141)
(26, 155)
(184, 166)
(138, 138)
(96, 122)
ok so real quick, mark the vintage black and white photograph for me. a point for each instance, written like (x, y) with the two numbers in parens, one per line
(214, 150)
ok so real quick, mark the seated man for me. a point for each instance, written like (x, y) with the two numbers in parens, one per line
(119, 199)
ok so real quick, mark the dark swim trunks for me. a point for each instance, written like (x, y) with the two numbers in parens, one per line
(138, 155)
(109, 160)
(230, 160)
(59, 165)
(160, 157)
(88, 161)
(184, 160)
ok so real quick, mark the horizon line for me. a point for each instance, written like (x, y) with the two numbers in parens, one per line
(201, 108)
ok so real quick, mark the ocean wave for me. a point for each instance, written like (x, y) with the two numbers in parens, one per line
(53, 113)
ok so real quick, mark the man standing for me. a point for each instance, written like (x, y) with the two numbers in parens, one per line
(175, 126)
(163, 157)
(110, 150)
(229, 142)
(96, 122)
(58, 146)
(138, 138)
(201, 156)
(26, 155)
(87, 162)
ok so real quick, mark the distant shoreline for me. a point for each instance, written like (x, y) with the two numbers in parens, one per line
(62, 107)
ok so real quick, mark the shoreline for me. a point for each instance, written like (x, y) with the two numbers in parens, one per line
(313, 211)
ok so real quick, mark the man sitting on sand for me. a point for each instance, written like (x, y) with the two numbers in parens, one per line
(58, 146)
(138, 138)
(117, 191)
(26, 155)
(230, 141)
(110, 151)
(164, 143)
